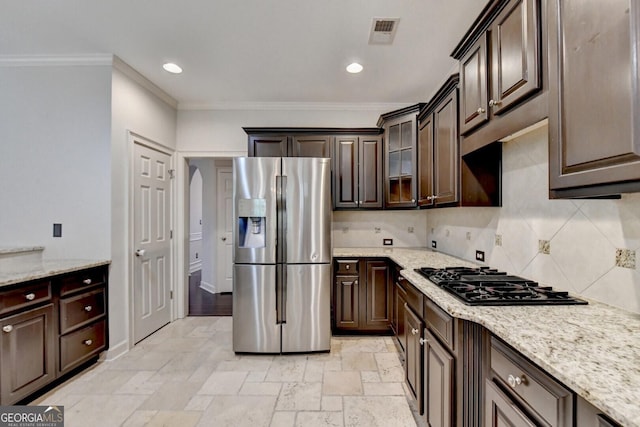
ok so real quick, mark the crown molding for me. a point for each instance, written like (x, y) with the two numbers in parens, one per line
(134, 75)
(55, 60)
(286, 106)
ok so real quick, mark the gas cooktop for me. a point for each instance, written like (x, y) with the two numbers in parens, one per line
(487, 286)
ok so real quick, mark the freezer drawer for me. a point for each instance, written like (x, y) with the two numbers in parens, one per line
(307, 325)
(255, 328)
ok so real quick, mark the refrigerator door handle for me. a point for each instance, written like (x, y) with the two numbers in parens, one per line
(283, 304)
(283, 228)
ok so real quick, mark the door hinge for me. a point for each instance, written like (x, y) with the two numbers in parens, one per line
(170, 294)
(171, 234)
(171, 173)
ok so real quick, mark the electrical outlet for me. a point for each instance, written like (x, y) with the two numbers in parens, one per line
(410, 229)
(480, 256)
(57, 230)
(434, 244)
(376, 230)
(387, 242)
(468, 235)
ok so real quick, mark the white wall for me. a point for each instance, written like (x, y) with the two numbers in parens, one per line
(55, 158)
(140, 108)
(195, 220)
(583, 235)
(221, 130)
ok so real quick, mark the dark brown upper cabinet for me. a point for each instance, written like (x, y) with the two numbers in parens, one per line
(594, 131)
(502, 58)
(400, 142)
(438, 148)
(264, 143)
(357, 172)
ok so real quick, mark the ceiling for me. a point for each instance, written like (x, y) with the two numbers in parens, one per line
(244, 52)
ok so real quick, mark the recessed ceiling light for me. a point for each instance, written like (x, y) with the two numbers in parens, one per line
(172, 68)
(354, 68)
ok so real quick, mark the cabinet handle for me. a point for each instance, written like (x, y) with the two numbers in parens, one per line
(87, 342)
(493, 103)
(423, 341)
(30, 297)
(87, 281)
(414, 331)
(7, 328)
(88, 308)
(480, 110)
(514, 381)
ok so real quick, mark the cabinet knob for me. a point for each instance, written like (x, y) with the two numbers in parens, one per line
(87, 281)
(87, 342)
(88, 308)
(514, 381)
(414, 331)
(30, 297)
(413, 200)
(7, 328)
(493, 103)
(481, 110)
(423, 341)
(346, 267)
(429, 198)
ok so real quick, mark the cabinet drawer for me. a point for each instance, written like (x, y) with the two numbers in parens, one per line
(81, 309)
(346, 266)
(82, 345)
(541, 392)
(25, 296)
(439, 322)
(83, 279)
(414, 298)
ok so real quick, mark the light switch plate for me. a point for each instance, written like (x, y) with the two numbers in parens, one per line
(387, 242)
(480, 256)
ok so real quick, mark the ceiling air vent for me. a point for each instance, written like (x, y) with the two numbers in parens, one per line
(383, 30)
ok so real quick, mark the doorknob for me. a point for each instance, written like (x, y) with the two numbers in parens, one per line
(140, 252)
(224, 239)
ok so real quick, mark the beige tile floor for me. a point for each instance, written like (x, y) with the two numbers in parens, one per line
(187, 374)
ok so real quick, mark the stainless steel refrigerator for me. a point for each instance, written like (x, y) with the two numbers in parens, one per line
(282, 254)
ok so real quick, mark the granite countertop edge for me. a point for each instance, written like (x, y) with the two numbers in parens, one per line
(48, 268)
(592, 349)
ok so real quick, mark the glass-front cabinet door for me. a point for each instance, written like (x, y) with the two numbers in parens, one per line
(400, 156)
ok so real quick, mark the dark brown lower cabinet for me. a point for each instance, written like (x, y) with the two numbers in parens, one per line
(50, 327)
(399, 300)
(501, 411)
(27, 351)
(439, 386)
(362, 296)
(413, 353)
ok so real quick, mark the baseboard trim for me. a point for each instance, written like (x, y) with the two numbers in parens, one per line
(115, 351)
(208, 287)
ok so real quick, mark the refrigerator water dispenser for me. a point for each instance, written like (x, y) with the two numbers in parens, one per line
(252, 223)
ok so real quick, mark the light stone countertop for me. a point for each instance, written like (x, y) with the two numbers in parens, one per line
(593, 349)
(10, 250)
(48, 268)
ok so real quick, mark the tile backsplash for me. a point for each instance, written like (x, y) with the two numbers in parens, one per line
(586, 247)
(408, 229)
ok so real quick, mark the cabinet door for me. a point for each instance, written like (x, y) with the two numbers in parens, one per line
(27, 353)
(345, 182)
(347, 305)
(268, 146)
(425, 159)
(370, 172)
(438, 383)
(515, 54)
(311, 146)
(594, 131)
(378, 296)
(401, 166)
(501, 411)
(446, 153)
(413, 354)
(473, 86)
(400, 296)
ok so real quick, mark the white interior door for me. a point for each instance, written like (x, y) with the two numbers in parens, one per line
(151, 266)
(225, 229)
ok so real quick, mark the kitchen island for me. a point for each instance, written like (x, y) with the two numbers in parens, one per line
(592, 349)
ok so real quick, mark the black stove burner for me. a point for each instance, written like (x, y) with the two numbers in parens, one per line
(487, 286)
